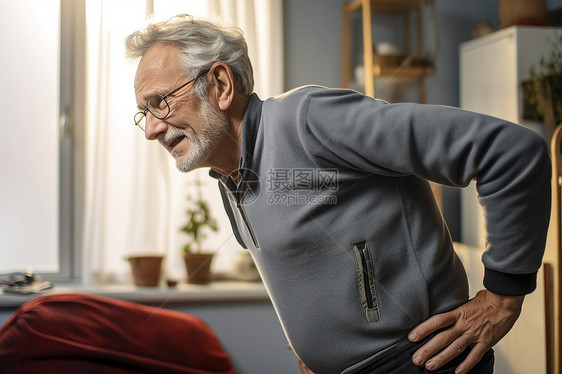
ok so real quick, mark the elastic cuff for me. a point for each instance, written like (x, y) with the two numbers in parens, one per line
(509, 284)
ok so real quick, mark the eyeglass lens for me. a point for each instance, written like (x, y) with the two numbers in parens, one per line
(158, 106)
(140, 119)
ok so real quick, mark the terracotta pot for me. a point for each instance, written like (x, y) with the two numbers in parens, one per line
(522, 12)
(146, 270)
(245, 268)
(198, 266)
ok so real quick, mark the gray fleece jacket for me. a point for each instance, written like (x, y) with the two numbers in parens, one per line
(333, 203)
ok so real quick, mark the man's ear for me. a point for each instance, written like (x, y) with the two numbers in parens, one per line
(222, 83)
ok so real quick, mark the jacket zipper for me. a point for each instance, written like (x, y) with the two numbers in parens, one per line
(242, 211)
(235, 194)
(365, 273)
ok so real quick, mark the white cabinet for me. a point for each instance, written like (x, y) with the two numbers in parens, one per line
(491, 71)
(493, 67)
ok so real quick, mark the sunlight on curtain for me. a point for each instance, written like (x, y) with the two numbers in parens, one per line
(29, 145)
(135, 198)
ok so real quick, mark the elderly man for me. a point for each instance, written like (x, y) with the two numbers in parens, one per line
(329, 191)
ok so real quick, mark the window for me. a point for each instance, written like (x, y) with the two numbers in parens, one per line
(37, 159)
(78, 177)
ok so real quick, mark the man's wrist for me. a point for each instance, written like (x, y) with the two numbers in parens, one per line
(512, 303)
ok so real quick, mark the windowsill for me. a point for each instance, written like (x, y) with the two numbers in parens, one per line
(216, 292)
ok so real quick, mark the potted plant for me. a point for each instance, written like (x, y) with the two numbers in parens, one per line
(146, 269)
(199, 219)
(542, 94)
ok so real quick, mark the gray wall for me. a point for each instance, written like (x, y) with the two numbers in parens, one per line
(312, 42)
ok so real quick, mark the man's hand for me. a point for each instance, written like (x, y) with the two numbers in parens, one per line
(479, 323)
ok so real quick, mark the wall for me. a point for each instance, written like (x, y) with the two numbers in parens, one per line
(312, 43)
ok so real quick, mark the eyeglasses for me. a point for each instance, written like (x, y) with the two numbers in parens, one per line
(158, 106)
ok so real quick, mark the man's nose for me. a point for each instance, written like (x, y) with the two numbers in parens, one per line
(154, 127)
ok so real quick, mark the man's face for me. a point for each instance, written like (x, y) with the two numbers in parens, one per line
(193, 128)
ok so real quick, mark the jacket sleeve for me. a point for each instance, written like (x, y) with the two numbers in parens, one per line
(510, 163)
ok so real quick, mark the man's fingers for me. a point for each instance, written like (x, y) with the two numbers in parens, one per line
(472, 359)
(431, 325)
(435, 345)
(451, 351)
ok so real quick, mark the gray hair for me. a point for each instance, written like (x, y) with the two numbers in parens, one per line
(202, 43)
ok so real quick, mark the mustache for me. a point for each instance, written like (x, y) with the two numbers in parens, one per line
(172, 134)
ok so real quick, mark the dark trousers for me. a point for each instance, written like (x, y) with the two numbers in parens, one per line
(400, 362)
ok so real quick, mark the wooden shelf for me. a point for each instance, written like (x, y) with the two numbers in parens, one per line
(373, 68)
(403, 72)
(384, 6)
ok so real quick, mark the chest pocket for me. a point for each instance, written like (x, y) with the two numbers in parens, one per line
(366, 278)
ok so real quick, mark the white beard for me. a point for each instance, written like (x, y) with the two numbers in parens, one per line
(203, 143)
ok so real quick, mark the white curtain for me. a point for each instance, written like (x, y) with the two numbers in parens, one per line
(135, 198)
